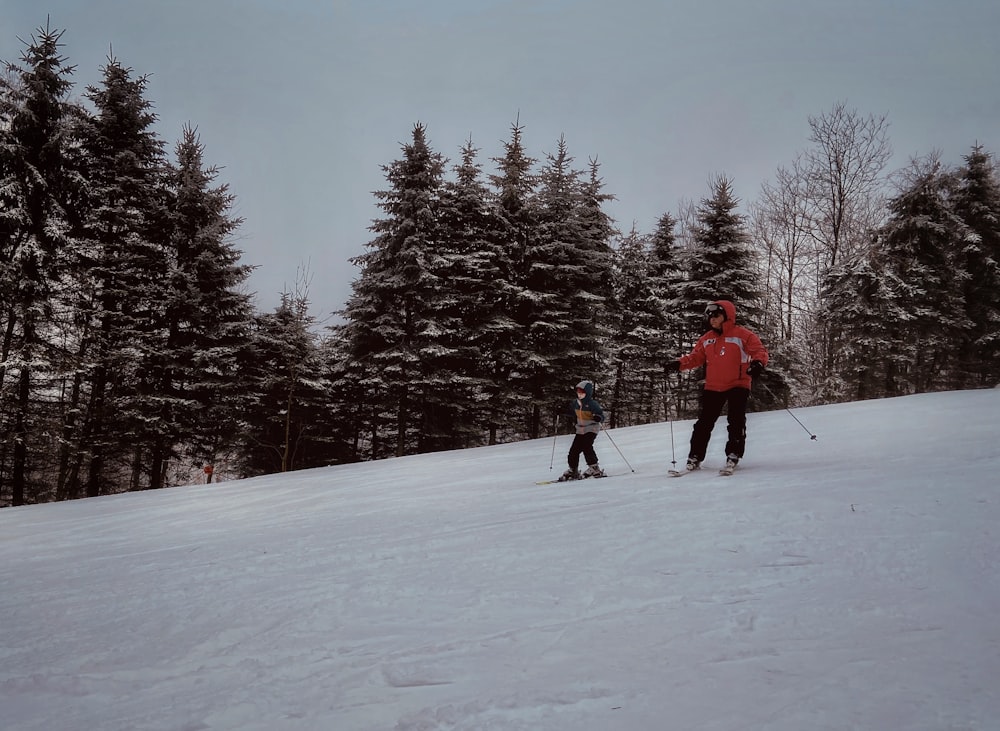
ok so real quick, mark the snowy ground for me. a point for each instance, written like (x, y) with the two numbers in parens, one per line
(845, 583)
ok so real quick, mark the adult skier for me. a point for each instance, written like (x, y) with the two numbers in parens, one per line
(732, 356)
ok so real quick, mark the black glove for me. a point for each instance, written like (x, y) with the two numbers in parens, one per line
(755, 368)
(597, 417)
(671, 366)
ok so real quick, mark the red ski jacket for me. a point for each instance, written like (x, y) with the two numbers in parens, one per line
(726, 356)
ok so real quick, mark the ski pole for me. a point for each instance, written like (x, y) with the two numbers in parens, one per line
(811, 435)
(670, 418)
(616, 447)
(555, 434)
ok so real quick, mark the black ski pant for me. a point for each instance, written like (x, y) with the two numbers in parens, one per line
(712, 403)
(582, 444)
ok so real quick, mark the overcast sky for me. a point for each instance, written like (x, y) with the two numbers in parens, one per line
(302, 101)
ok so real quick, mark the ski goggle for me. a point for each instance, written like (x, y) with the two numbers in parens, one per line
(714, 310)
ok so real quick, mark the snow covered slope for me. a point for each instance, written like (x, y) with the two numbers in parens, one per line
(845, 583)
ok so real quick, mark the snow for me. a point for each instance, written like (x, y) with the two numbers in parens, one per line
(845, 583)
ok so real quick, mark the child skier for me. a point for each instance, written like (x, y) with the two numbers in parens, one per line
(589, 416)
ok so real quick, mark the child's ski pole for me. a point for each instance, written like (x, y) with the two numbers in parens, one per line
(616, 447)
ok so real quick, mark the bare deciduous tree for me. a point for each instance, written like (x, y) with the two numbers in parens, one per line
(818, 214)
(780, 221)
(844, 178)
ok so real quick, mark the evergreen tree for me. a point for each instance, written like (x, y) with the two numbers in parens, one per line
(453, 295)
(514, 185)
(568, 278)
(668, 276)
(36, 193)
(977, 203)
(921, 245)
(207, 317)
(598, 233)
(347, 403)
(481, 330)
(128, 260)
(667, 271)
(638, 335)
(721, 262)
(391, 326)
(356, 387)
(862, 315)
(286, 420)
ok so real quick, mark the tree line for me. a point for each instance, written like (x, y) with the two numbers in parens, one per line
(132, 354)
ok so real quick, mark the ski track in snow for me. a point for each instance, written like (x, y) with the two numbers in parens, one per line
(843, 583)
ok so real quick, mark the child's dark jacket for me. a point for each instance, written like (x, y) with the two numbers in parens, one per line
(588, 412)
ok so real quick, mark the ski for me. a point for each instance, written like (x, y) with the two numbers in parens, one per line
(724, 472)
(579, 479)
(680, 473)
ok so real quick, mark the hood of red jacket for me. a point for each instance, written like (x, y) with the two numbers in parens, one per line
(730, 309)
